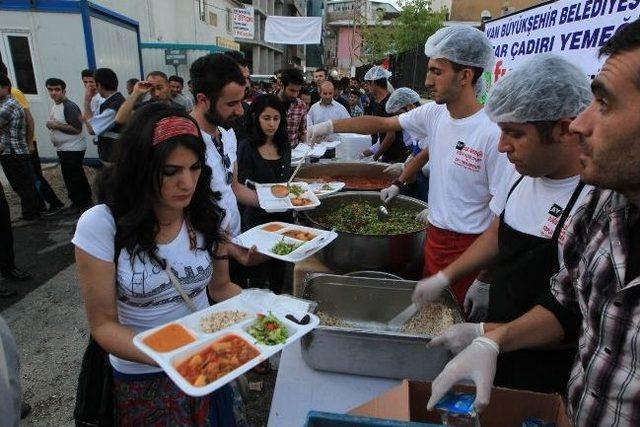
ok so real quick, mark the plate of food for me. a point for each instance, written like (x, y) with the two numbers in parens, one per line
(286, 242)
(212, 347)
(322, 189)
(279, 197)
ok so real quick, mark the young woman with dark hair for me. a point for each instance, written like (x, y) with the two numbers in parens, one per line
(265, 157)
(158, 212)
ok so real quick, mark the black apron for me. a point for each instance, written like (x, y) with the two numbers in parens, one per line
(525, 266)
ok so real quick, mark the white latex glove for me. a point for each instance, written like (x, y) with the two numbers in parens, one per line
(477, 363)
(476, 301)
(316, 132)
(457, 337)
(395, 168)
(423, 216)
(429, 289)
(389, 193)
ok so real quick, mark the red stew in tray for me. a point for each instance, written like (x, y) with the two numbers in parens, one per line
(360, 183)
(216, 360)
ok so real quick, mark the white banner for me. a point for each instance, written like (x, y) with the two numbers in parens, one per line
(244, 23)
(574, 29)
(293, 30)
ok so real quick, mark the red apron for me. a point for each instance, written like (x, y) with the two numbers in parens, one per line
(441, 248)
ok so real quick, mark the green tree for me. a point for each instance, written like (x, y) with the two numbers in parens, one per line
(412, 27)
(415, 24)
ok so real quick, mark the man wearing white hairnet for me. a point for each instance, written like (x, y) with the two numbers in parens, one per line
(402, 100)
(534, 105)
(595, 294)
(462, 149)
(391, 148)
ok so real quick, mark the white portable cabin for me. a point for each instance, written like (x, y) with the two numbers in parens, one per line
(40, 39)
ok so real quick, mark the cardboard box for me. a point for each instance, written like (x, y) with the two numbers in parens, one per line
(408, 402)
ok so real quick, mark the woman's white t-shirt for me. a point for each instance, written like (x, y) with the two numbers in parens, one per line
(145, 296)
(465, 166)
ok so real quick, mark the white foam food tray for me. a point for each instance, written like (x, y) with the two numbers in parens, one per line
(265, 240)
(246, 303)
(271, 203)
(304, 150)
(323, 189)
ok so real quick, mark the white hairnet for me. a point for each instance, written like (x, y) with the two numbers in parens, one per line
(400, 98)
(461, 44)
(544, 87)
(377, 72)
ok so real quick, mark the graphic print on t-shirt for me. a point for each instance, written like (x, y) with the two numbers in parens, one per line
(468, 157)
(138, 294)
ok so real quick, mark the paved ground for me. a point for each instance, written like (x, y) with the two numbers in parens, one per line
(48, 321)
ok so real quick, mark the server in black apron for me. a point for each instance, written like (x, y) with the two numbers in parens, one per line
(533, 106)
(525, 265)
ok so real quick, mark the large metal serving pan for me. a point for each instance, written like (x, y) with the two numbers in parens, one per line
(356, 169)
(400, 254)
(369, 348)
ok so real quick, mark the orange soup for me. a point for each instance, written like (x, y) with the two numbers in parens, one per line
(169, 338)
(272, 227)
(216, 360)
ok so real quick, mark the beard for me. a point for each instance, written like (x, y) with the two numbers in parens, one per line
(213, 117)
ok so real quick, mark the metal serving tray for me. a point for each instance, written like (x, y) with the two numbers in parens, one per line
(370, 347)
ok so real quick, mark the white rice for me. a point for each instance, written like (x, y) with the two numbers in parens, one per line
(214, 322)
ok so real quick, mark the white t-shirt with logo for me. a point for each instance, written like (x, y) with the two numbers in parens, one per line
(536, 204)
(146, 297)
(465, 166)
(228, 202)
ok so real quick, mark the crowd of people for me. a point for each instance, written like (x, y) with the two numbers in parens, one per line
(532, 220)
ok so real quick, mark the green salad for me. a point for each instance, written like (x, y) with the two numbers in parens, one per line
(361, 217)
(284, 248)
(296, 190)
(268, 330)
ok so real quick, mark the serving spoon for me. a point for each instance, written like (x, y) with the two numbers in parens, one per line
(382, 213)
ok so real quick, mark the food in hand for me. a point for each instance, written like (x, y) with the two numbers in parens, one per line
(169, 338)
(268, 330)
(279, 190)
(214, 322)
(284, 248)
(216, 360)
(296, 190)
(272, 227)
(300, 201)
(305, 236)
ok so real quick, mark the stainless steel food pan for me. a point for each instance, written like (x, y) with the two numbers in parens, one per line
(368, 347)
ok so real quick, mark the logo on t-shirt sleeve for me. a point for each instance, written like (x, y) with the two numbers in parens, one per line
(459, 145)
(555, 210)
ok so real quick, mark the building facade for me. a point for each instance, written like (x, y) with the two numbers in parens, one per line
(473, 11)
(343, 39)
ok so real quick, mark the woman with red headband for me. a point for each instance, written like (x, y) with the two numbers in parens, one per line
(159, 215)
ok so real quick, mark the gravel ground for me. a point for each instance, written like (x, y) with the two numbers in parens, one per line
(48, 321)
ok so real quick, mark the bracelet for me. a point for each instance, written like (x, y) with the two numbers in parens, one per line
(220, 257)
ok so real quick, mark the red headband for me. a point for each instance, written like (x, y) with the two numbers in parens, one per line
(173, 126)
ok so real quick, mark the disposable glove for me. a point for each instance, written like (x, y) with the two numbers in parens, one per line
(457, 337)
(389, 193)
(477, 363)
(423, 216)
(317, 131)
(395, 168)
(429, 289)
(476, 302)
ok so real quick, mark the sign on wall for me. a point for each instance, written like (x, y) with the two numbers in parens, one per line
(175, 57)
(574, 29)
(243, 23)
